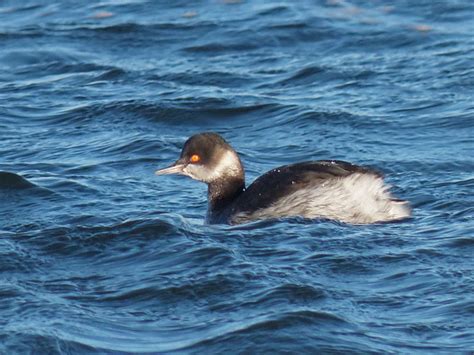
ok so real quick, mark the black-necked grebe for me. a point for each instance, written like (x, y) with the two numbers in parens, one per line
(326, 189)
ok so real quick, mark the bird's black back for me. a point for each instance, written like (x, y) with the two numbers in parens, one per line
(282, 181)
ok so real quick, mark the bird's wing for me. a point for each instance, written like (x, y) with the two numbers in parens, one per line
(282, 181)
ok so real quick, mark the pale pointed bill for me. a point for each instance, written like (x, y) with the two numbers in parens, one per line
(173, 169)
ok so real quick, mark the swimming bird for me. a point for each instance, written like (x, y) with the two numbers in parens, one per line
(324, 189)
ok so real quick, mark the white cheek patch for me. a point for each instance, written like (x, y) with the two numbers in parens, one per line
(228, 165)
(196, 172)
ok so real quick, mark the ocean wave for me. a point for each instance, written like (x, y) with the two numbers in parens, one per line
(9, 180)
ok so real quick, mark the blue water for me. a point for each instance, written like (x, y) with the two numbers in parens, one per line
(99, 255)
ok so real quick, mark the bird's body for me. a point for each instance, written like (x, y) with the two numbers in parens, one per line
(326, 189)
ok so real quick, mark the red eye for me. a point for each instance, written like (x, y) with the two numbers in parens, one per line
(195, 158)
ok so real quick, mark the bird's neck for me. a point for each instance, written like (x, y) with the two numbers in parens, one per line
(220, 196)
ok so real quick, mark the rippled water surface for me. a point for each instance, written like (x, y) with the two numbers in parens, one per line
(99, 255)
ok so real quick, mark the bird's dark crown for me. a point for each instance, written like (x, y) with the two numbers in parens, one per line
(207, 146)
